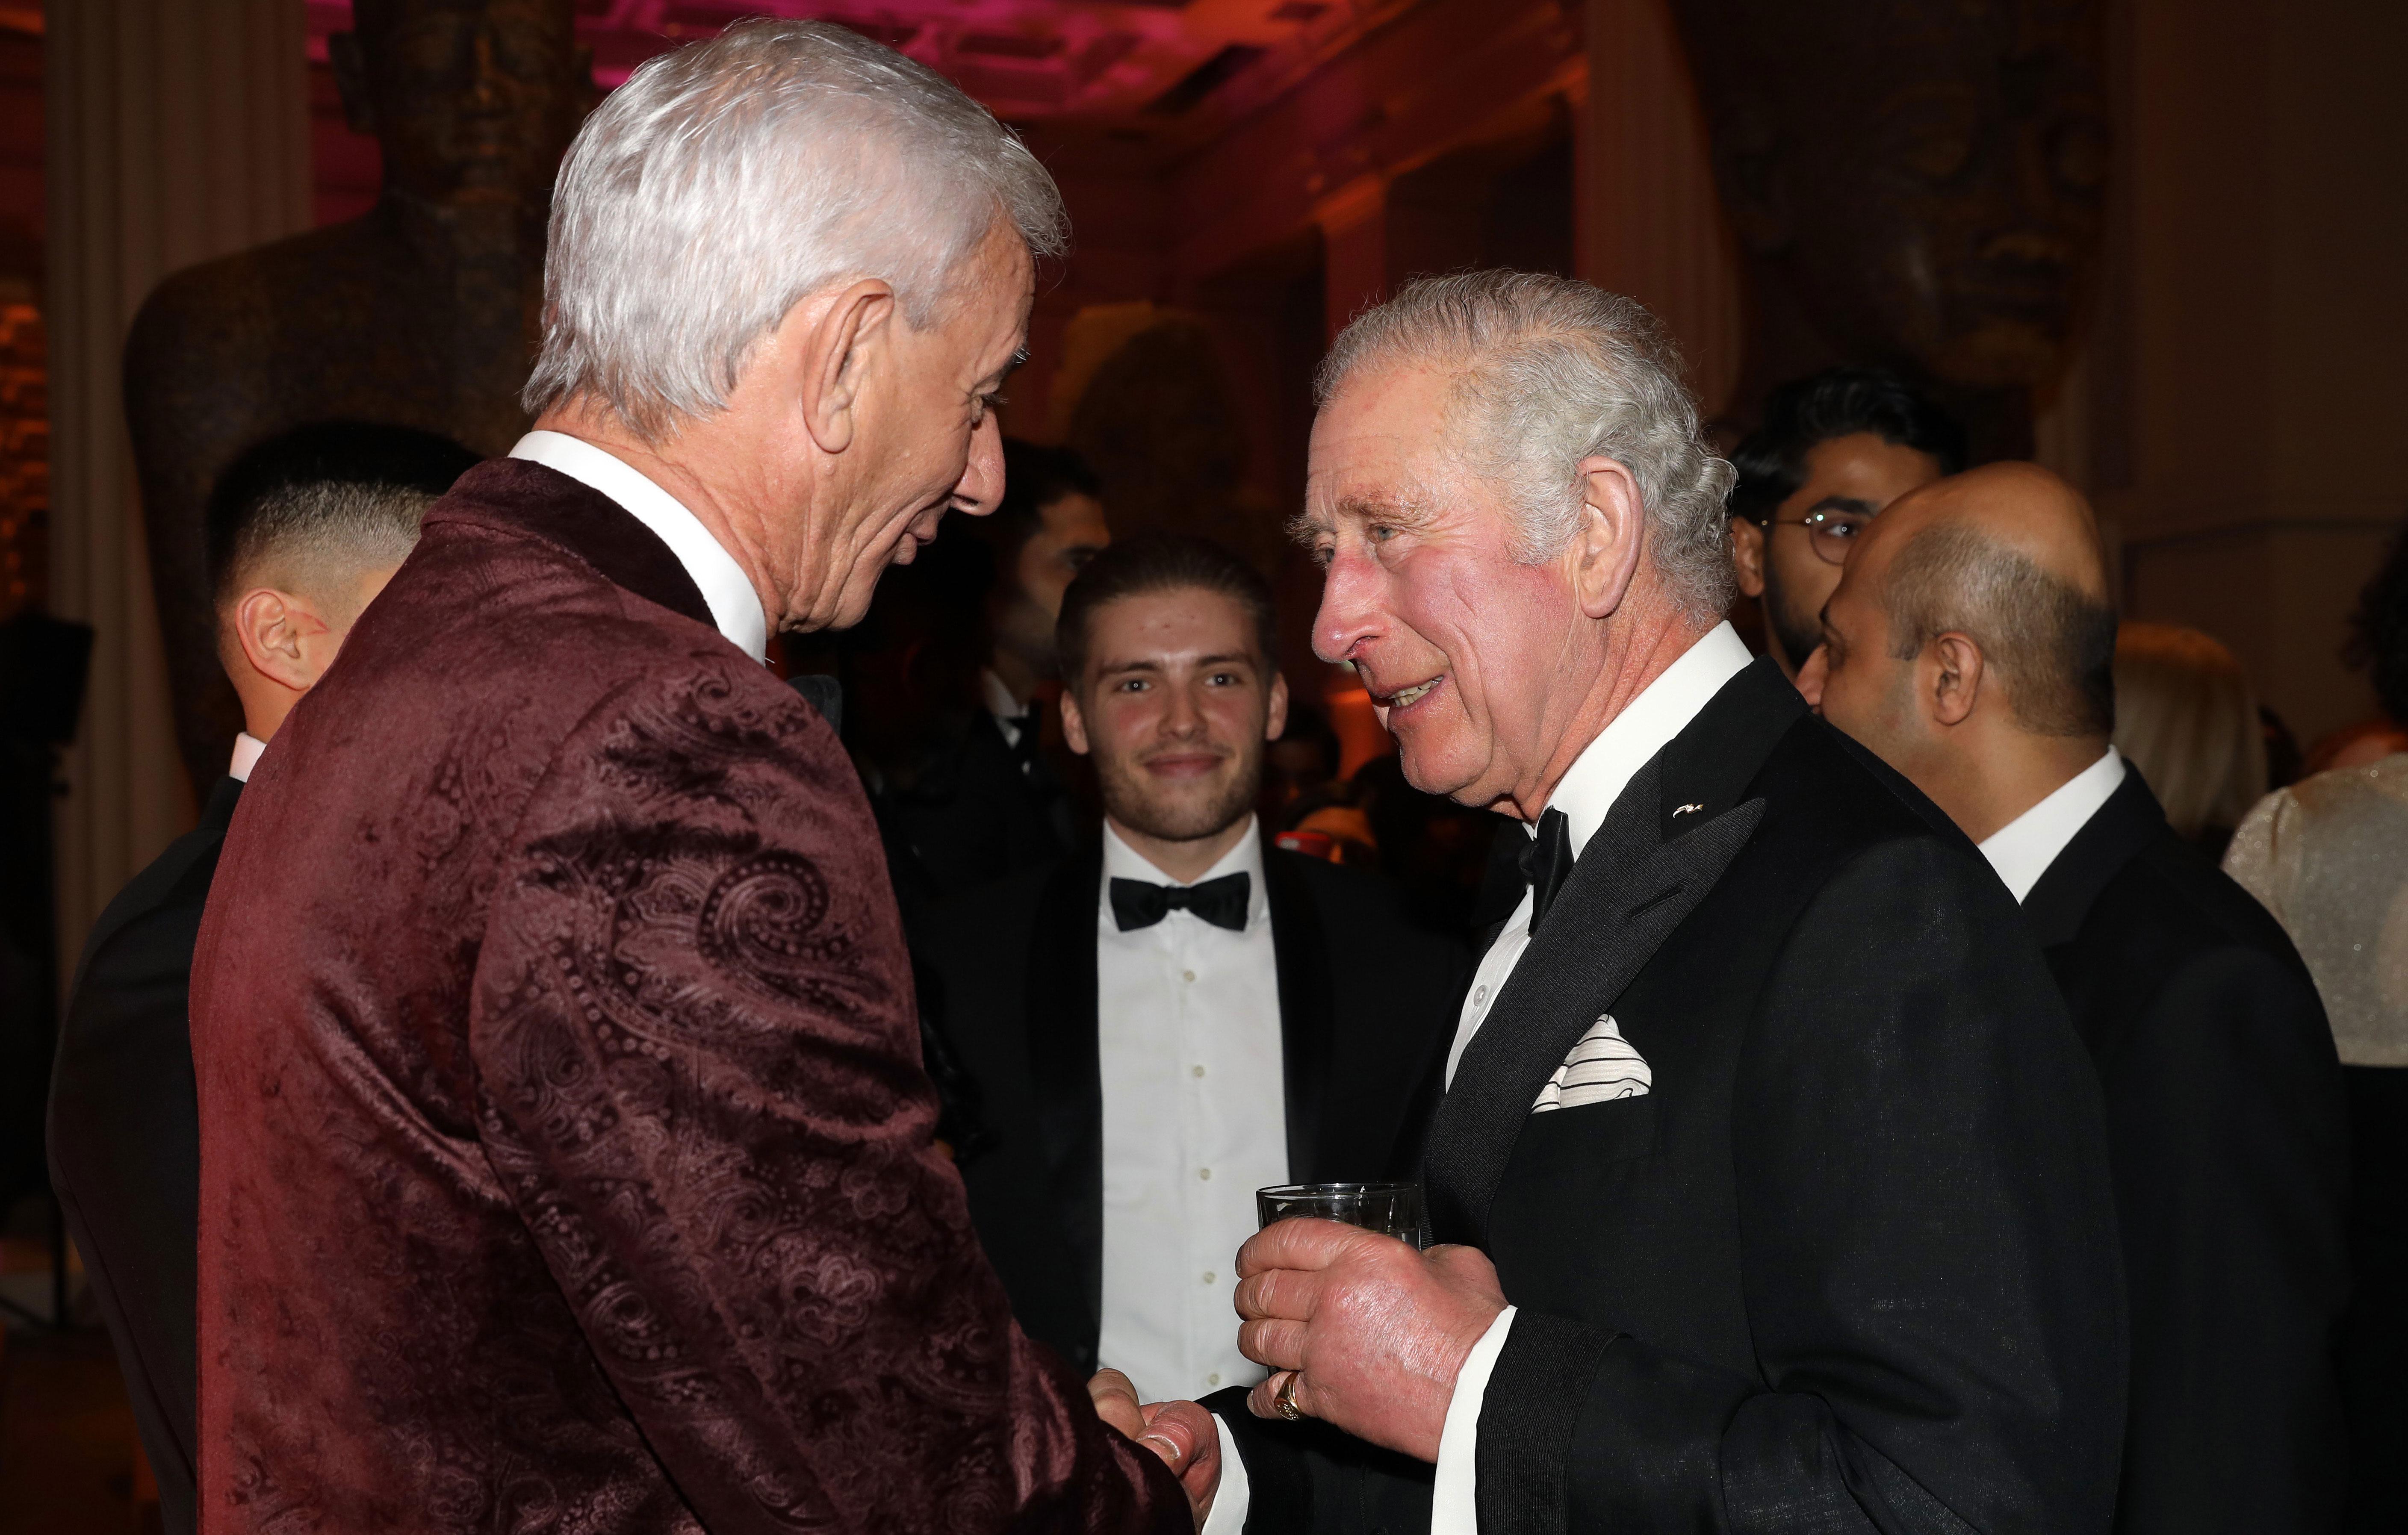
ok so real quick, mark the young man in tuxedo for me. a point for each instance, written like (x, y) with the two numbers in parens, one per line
(1178, 1013)
(1769, 1175)
(1972, 645)
(1833, 450)
(303, 531)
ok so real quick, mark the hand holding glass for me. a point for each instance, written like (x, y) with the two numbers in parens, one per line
(1393, 1209)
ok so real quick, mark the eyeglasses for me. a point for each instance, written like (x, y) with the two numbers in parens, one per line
(1832, 533)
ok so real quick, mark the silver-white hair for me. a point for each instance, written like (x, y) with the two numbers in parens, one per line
(727, 180)
(1548, 372)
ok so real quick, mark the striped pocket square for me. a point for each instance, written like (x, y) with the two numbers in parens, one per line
(1601, 1068)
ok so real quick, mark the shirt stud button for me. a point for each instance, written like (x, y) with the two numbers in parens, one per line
(1205, 1173)
(1187, 975)
(1480, 997)
(1195, 1070)
(1212, 1379)
(1208, 1276)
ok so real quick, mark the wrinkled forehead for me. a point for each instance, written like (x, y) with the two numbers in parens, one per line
(1384, 444)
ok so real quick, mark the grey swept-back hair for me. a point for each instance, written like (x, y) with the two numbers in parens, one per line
(1549, 371)
(727, 180)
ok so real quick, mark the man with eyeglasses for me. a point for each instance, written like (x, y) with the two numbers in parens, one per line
(1834, 449)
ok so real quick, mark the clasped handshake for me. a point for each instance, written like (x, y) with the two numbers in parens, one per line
(1359, 1329)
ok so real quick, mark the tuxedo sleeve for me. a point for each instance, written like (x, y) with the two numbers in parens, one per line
(1927, 1244)
(2225, 1115)
(700, 1087)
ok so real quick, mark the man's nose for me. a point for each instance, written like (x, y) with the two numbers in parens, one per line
(1182, 714)
(981, 488)
(1350, 593)
(1811, 676)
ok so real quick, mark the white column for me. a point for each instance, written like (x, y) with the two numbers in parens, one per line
(177, 131)
(1649, 222)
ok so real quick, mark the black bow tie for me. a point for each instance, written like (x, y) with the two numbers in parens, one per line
(1546, 863)
(1142, 903)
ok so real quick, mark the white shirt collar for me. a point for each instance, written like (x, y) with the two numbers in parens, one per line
(1646, 725)
(246, 748)
(1000, 701)
(1124, 862)
(735, 606)
(2022, 850)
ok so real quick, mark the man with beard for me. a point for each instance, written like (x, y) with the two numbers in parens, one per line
(1178, 1015)
(1835, 448)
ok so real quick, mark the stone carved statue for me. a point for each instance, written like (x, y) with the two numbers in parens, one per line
(423, 312)
(1917, 184)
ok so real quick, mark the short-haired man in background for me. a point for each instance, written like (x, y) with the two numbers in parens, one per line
(1771, 1172)
(1833, 450)
(567, 1157)
(1178, 1013)
(1972, 645)
(990, 805)
(304, 530)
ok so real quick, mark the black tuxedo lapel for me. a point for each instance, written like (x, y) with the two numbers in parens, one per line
(1066, 1072)
(1676, 828)
(1307, 1025)
(2057, 905)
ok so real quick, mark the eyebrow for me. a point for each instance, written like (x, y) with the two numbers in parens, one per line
(1148, 663)
(1845, 503)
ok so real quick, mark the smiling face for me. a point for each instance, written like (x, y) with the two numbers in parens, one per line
(1476, 661)
(1173, 706)
(928, 441)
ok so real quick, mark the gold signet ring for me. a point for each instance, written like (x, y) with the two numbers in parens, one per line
(1286, 1400)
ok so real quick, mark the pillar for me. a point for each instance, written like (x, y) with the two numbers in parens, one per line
(177, 131)
(1649, 222)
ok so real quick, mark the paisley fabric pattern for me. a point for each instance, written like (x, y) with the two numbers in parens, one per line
(566, 1162)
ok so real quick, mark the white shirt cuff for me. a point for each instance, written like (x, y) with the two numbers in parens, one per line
(1228, 1515)
(1453, 1509)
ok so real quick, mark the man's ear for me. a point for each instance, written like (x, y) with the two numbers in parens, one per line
(1957, 681)
(1613, 524)
(350, 72)
(1275, 722)
(277, 631)
(1074, 725)
(845, 337)
(1747, 557)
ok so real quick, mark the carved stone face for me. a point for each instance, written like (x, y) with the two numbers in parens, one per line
(1927, 178)
(472, 100)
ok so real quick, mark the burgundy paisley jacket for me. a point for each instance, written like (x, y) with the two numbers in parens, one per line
(565, 1158)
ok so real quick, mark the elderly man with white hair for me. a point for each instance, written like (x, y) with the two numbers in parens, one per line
(566, 1161)
(1771, 1174)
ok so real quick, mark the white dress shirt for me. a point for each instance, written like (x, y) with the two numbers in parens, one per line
(2022, 850)
(1596, 779)
(1188, 1021)
(246, 748)
(726, 591)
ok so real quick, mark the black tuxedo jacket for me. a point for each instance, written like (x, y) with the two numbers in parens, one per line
(1850, 1264)
(975, 816)
(2229, 1142)
(125, 1137)
(1367, 1001)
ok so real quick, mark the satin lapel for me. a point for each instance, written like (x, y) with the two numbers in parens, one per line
(1629, 890)
(1064, 1068)
(1306, 1007)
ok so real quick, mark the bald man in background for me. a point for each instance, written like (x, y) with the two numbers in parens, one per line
(1969, 644)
